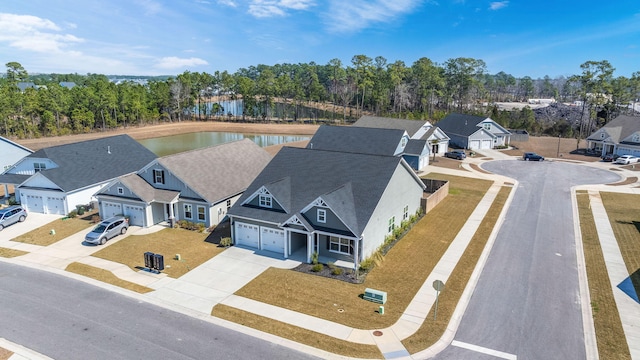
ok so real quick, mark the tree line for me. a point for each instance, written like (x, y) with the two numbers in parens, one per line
(423, 90)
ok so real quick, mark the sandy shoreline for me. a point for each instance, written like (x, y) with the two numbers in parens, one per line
(153, 131)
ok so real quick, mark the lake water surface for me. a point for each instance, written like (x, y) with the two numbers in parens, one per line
(174, 144)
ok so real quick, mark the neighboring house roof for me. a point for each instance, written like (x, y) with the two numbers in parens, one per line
(460, 124)
(351, 184)
(617, 129)
(91, 162)
(13, 178)
(219, 171)
(353, 139)
(67, 84)
(415, 147)
(410, 126)
(145, 191)
(24, 85)
(5, 140)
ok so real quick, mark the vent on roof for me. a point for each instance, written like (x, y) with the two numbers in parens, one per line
(109, 149)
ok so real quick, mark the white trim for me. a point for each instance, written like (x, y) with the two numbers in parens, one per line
(322, 216)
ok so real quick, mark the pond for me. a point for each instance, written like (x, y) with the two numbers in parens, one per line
(174, 144)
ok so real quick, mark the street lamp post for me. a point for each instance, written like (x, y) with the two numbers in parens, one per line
(558, 154)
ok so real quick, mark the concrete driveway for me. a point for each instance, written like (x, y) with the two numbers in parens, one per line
(210, 283)
(33, 221)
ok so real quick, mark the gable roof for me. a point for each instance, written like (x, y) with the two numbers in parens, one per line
(216, 172)
(90, 162)
(618, 129)
(144, 190)
(415, 147)
(328, 174)
(410, 126)
(353, 139)
(460, 124)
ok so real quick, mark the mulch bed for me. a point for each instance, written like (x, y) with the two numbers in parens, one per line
(347, 275)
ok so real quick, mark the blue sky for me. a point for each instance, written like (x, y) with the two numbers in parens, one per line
(167, 37)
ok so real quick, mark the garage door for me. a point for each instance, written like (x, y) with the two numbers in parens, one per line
(474, 144)
(272, 239)
(34, 204)
(486, 144)
(55, 205)
(110, 210)
(247, 235)
(135, 214)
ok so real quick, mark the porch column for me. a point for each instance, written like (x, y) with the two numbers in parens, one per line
(309, 246)
(356, 254)
(287, 236)
(6, 190)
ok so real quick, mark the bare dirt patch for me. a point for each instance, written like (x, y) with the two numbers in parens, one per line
(552, 147)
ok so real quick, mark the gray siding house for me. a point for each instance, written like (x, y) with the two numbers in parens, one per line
(373, 141)
(56, 179)
(198, 185)
(474, 132)
(436, 139)
(620, 136)
(337, 204)
(11, 154)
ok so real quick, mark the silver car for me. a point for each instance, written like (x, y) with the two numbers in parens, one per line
(12, 215)
(107, 230)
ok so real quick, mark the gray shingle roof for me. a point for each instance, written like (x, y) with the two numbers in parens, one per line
(330, 174)
(90, 162)
(460, 124)
(410, 126)
(415, 147)
(217, 172)
(145, 191)
(619, 128)
(362, 140)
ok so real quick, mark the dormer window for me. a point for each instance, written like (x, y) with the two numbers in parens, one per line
(403, 142)
(39, 166)
(265, 201)
(322, 216)
(158, 176)
(120, 191)
(487, 126)
(602, 134)
(636, 138)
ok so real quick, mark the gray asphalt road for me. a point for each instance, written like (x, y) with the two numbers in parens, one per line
(67, 319)
(527, 301)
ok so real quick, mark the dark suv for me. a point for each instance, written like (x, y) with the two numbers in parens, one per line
(456, 154)
(12, 215)
(531, 156)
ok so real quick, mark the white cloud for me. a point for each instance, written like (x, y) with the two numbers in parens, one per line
(497, 5)
(228, 3)
(354, 15)
(150, 7)
(173, 62)
(271, 8)
(32, 33)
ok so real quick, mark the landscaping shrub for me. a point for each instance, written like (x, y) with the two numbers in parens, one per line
(190, 225)
(316, 268)
(12, 201)
(72, 214)
(225, 242)
(80, 210)
(314, 258)
(334, 269)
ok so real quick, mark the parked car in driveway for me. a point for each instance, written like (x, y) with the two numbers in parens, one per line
(610, 157)
(627, 159)
(12, 215)
(107, 230)
(456, 154)
(531, 156)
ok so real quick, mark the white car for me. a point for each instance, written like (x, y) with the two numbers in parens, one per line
(626, 159)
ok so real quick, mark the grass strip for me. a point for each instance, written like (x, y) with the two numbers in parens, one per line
(5, 354)
(106, 277)
(9, 253)
(610, 336)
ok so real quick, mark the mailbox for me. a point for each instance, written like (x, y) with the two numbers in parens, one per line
(158, 262)
(377, 296)
(148, 259)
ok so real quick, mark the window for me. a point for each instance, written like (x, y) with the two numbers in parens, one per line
(39, 166)
(602, 135)
(188, 211)
(120, 190)
(158, 176)
(636, 138)
(265, 201)
(487, 126)
(392, 224)
(403, 142)
(340, 245)
(228, 204)
(201, 214)
(405, 214)
(322, 216)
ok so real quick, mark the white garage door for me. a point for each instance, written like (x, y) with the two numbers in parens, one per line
(272, 239)
(247, 235)
(474, 144)
(486, 144)
(55, 205)
(110, 210)
(34, 204)
(135, 214)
